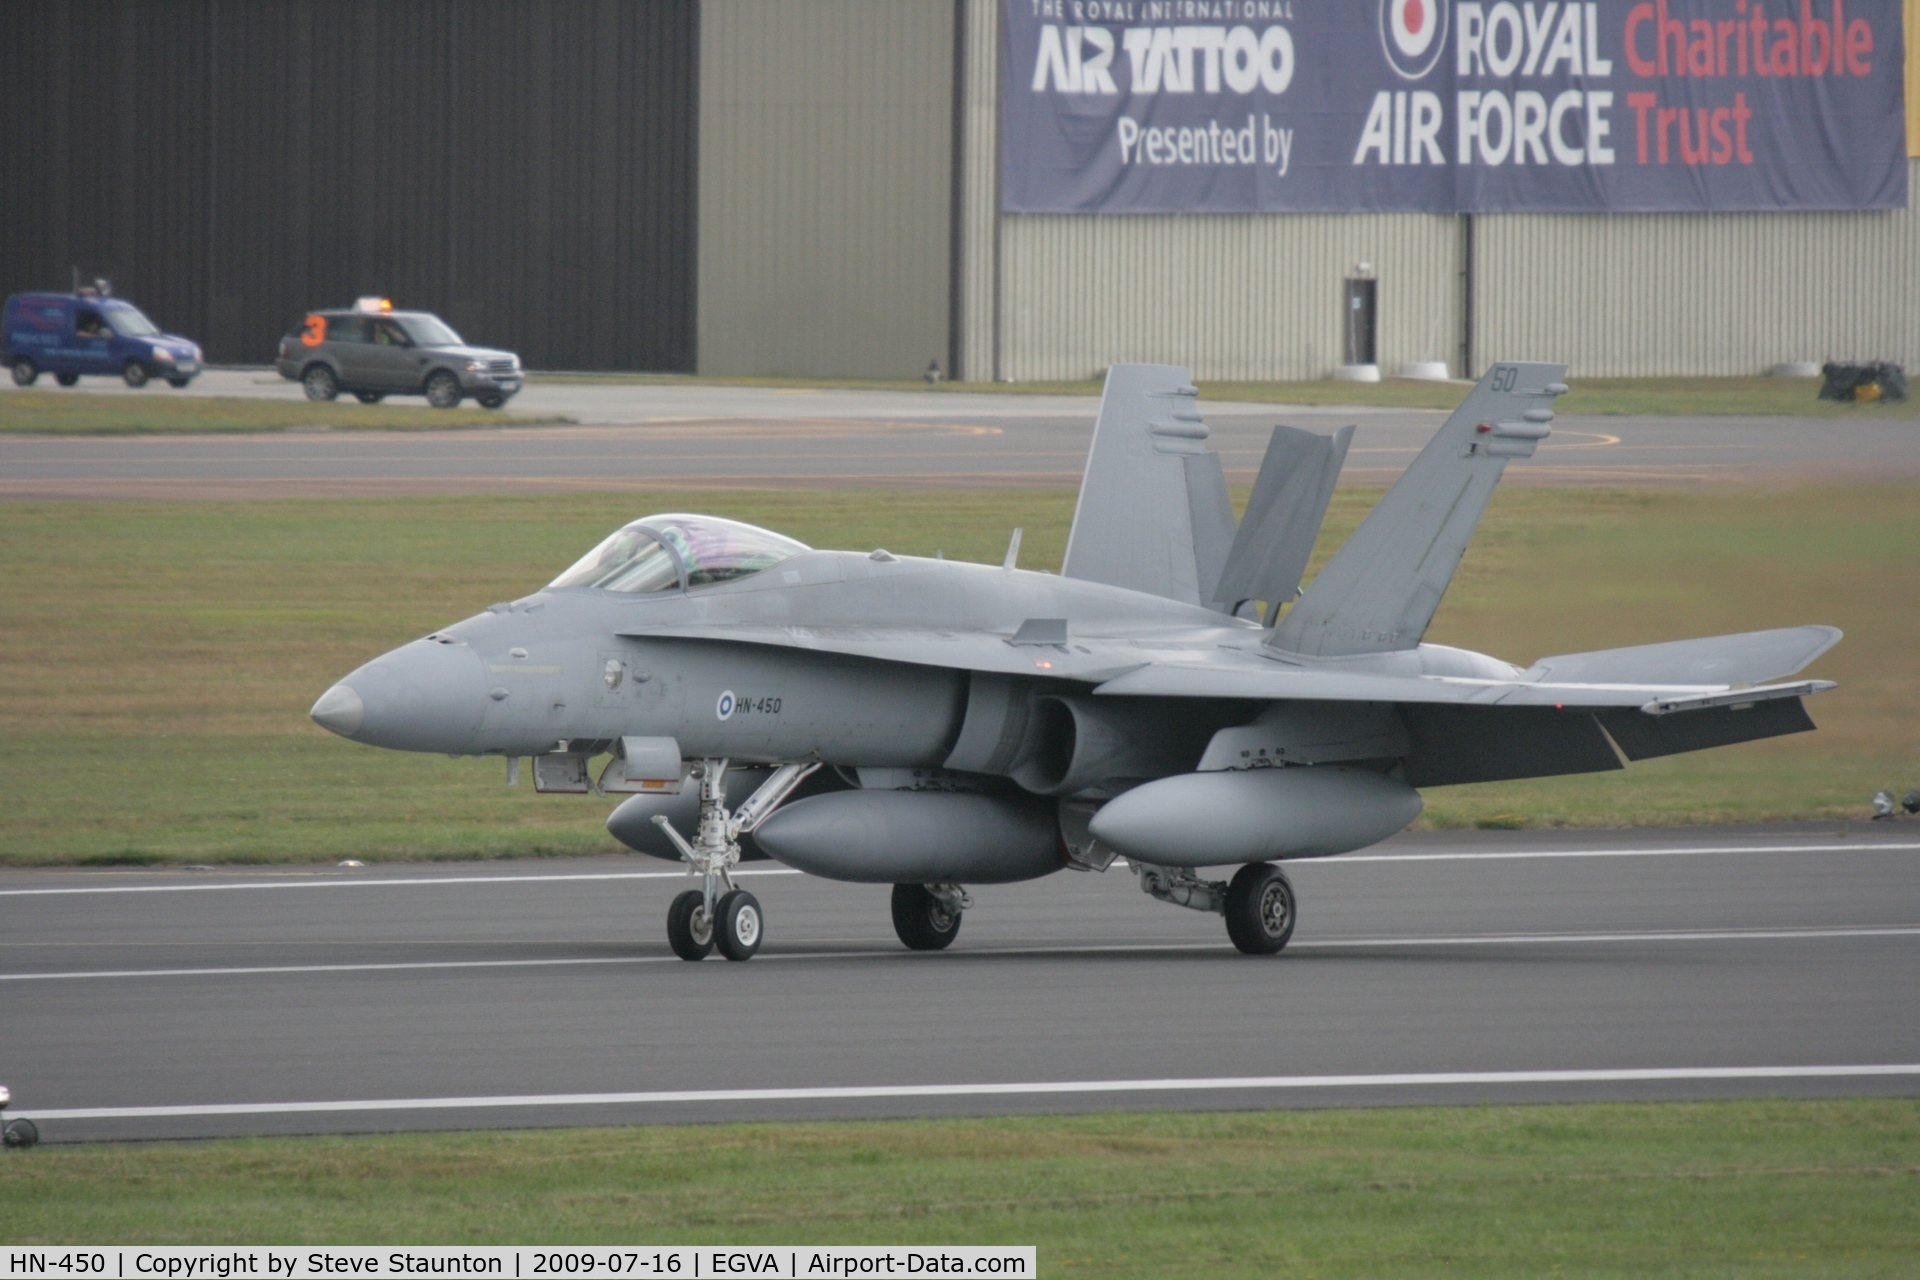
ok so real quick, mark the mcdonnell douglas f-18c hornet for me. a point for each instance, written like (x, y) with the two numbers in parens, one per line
(1171, 697)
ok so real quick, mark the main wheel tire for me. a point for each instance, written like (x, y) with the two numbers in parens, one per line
(689, 932)
(738, 925)
(1260, 909)
(177, 383)
(320, 383)
(66, 379)
(22, 1133)
(923, 922)
(443, 390)
(491, 400)
(24, 372)
(369, 397)
(135, 373)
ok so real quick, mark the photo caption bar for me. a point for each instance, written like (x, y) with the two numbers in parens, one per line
(517, 1262)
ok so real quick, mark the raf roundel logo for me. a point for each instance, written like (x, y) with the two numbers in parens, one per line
(1414, 35)
(723, 709)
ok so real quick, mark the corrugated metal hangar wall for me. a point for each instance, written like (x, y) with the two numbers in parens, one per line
(794, 186)
(523, 167)
(826, 155)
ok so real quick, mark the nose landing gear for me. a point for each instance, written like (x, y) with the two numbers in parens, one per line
(720, 914)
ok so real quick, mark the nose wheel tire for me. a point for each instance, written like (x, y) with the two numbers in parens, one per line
(689, 930)
(21, 1133)
(491, 400)
(923, 922)
(369, 397)
(66, 379)
(443, 391)
(24, 372)
(1260, 909)
(135, 373)
(738, 925)
(320, 384)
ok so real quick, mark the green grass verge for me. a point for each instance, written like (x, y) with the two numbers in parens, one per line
(1750, 1189)
(167, 412)
(1754, 396)
(157, 659)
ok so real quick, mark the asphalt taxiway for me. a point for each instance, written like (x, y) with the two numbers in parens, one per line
(649, 436)
(1440, 967)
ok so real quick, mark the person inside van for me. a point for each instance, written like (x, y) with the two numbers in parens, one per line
(89, 325)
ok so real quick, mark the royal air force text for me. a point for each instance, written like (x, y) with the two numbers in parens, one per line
(1504, 42)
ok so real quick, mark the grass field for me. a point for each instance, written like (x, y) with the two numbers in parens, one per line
(1750, 1189)
(165, 411)
(157, 659)
(1759, 396)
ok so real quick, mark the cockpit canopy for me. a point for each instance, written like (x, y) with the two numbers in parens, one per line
(661, 553)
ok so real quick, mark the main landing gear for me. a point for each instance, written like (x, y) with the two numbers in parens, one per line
(719, 914)
(1257, 903)
(18, 1133)
(927, 916)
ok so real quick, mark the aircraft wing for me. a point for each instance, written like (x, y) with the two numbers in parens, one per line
(1089, 660)
(1682, 675)
(1173, 680)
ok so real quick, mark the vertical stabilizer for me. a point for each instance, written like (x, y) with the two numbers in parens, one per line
(1153, 513)
(1379, 591)
(1283, 517)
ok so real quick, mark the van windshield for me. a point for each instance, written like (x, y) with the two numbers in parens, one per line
(128, 321)
(428, 330)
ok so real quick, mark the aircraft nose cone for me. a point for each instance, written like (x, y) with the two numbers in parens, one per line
(339, 711)
(423, 696)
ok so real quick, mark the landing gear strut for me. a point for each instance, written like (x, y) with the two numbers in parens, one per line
(720, 914)
(1258, 903)
(927, 916)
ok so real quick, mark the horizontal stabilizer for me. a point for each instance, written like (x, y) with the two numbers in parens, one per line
(1379, 591)
(1153, 514)
(1747, 658)
(1283, 517)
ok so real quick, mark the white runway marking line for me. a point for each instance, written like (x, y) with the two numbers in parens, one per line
(379, 884)
(1686, 851)
(1495, 856)
(1329, 944)
(1630, 1075)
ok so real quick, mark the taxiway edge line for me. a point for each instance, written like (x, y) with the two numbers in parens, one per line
(1032, 1088)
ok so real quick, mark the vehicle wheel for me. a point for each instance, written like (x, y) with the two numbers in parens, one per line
(24, 372)
(443, 390)
(1260, 909)
(369, 397)
(22, 1133)
(689, 932)
(66, 379)
(491, 400)
(738, 925)
(320, 383)
(135, 373)
(177, 383)
(923, 922)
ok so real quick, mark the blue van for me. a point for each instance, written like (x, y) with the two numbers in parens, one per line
(68, 334)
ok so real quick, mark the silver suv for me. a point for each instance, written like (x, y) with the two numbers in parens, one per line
(375, 354)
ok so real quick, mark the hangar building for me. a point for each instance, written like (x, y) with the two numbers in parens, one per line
(803, 187)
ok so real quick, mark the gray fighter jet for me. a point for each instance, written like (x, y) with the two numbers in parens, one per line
(1170, 697)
